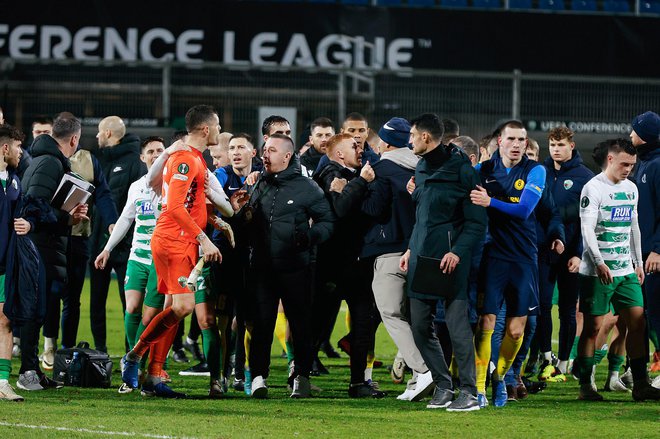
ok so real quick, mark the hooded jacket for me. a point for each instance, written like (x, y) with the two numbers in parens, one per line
(121, 167)
(389, 205)
(647, 178)
(51, 229)
(446, 219)
(277, 219)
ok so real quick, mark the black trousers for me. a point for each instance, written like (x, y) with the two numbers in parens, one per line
(99, 282)
(77, 258)
(294, 289)
(30, 331)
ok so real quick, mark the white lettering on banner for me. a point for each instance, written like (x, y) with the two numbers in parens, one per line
(333, 50)
(90, 43)
(581, 127)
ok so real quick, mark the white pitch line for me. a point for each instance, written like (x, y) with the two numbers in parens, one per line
(86, 430)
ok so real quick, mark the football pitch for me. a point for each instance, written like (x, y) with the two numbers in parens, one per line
(82, 413)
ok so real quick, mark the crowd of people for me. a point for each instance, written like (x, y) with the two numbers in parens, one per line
(458, 247)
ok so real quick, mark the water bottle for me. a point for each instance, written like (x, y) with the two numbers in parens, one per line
(75, 370)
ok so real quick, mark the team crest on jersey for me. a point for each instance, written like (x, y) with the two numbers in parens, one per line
(183, 168)
(621, 213)
(585, 202)
(519, 184)
(568, 184)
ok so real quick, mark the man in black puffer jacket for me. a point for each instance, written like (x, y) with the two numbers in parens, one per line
(119, 155)
(40, 181)
(281, 239)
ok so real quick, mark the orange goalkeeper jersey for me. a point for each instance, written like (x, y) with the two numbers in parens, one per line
(184, 202)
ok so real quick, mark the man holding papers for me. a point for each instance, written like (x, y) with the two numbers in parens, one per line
(51, 230)
(447, 227)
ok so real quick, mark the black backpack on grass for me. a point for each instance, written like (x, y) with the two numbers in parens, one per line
(82, 367)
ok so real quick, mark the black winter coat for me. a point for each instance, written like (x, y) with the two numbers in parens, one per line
(346, 242)
(277, 219)
(40, 181)
(445, 216)
(121, 166)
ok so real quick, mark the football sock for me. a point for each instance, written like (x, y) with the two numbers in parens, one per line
(49, 343)
(562, 366)
(653, 336)
(280, 330)
(159, 350)
(508, 352)
(615, 362)
(586, 367)
(131, 323)
(368, 373)
(290, 356)
(547, 356)
(599, 354)
(5, 369)
(246, 342)
(371, 358)
(211, 343)
(157, 329)
(574, 350)
(482, 356)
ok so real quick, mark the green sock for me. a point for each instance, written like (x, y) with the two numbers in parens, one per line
(5, 369)
(574, 352)
(289, 352)
(138, 334)
(211, 344)
(586, 365)
(599, 355)
(653, 336)
(615, 362)
(131, 324)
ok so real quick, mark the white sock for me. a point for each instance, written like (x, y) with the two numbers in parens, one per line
(613, 374)
(190, 340)
(4, 382)
(368, 372)
(562, 366)
(49, 343)
(547, 356)
(17, 340)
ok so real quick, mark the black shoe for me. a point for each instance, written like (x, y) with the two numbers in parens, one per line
(364, 390)
(48, 383)
(329, 351)
(318, 368)
(180, 356)
(533, 386)
(194, 350)
(198, 370)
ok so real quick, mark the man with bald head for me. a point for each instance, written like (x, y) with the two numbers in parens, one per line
(119, 155)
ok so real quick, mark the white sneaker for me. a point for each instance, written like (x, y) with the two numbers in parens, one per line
(425, 385)
(656, 382)
(627, 378)
(7, 392)
(48, 359)
(259, 388)
(615, 385)
(405, 396)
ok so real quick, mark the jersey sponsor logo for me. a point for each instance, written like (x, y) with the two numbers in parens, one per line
(146, 208)
(568, 184)
(584, 202)
(180, 177)
(117, 169)
(514, 199)
(519, 184)
(183, 168)
(491, 180)
(621, 213)
(289, 202)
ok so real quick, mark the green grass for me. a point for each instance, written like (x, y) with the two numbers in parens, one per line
(554, 412)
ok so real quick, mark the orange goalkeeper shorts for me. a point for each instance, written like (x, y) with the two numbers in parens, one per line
(174, 260)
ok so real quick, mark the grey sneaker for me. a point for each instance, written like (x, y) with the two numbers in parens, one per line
(259, 388)
(29, 381)
(464, 403)
(627, 378)
(615, 385)
(7, 393)
(441, 399)
(301, 387)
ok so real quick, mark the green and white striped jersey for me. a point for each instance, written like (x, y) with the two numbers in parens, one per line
(142, 206)
(614, 207)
